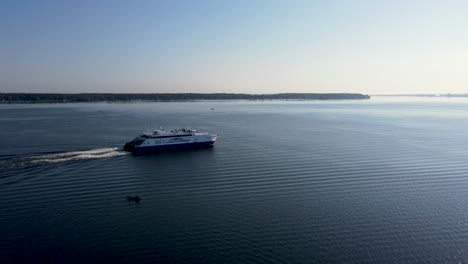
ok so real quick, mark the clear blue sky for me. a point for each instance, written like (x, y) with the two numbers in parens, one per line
(237, 46)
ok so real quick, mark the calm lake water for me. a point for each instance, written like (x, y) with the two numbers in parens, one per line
(376, 181)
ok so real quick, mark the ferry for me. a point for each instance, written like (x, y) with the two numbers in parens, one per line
(161, 140)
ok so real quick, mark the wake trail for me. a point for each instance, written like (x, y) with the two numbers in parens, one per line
(59, 157)
(99, 153)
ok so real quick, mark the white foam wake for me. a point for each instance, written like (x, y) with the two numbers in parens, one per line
(99, 153)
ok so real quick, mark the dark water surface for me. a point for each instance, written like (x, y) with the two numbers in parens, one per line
(375, 181)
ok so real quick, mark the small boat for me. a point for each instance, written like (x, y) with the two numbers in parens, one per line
(135, 198)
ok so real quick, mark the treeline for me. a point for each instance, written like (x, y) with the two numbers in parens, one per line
(162, 97)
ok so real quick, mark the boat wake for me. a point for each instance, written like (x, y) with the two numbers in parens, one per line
(99, 153)
(21, 162)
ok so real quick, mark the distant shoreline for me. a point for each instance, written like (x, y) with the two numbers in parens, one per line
(422, 95)
(11, 98)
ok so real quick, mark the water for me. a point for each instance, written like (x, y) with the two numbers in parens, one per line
(377, 181)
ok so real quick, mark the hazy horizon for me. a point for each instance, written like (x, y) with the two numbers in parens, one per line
(381, 94)
(252, 47)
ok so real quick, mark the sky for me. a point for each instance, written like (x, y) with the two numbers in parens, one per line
(251, 46)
